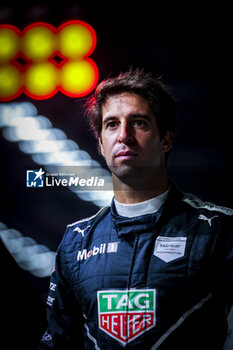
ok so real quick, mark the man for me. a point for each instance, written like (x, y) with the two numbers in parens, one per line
(153, 270)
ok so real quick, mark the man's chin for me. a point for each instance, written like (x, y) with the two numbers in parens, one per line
(126, 173)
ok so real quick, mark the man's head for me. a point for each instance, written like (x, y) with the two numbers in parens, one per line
(141, 83)
(133, 117)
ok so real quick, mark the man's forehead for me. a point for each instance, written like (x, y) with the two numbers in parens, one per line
(121, 100)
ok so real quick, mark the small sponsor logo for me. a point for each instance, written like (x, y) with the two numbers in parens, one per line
(102, 249)
(169, 248)
(52, 286)
(125, 315)
(78, 229)
(35, 178)
(209, 220)
(50, 300)
(47, 337)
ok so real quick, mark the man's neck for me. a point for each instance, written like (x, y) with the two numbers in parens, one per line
(137, 192)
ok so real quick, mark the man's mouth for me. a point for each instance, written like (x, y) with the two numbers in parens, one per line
(126, 154)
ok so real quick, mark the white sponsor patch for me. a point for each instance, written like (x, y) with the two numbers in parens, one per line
(169, 248)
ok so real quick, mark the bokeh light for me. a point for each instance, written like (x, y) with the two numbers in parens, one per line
(9, 42)
(42, 60)
(38, 41)
(41, 80)
(76, 39)
(78, 78)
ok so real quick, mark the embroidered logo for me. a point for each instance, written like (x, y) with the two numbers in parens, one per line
(47, 337)
(203, 217)
(169, 248)
(103, 248)
(126, 314)
(78, 229)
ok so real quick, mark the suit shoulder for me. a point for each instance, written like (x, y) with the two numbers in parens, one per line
(197, 203)
(82, 225)
(75, 232)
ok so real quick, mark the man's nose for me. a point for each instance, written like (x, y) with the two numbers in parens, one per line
(125, 134)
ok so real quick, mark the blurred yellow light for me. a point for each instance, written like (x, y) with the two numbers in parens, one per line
(78, 78)
(10, 81)
(41, 80)
(75, 40)
(38, 43)
(30, 60)
(9, 44)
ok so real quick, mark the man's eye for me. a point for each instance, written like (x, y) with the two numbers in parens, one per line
(139, 122)
(111, 125)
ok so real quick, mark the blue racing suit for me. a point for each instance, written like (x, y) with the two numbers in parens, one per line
(156, 281)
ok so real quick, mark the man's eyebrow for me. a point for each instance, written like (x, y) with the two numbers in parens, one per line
(140, 115)
(132, 115)
(109, 118)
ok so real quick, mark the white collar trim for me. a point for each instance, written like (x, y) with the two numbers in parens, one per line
(147, 207)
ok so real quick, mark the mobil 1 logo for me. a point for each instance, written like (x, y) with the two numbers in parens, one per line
(126, 314)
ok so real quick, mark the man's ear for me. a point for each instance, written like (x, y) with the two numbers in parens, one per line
(167, 141)
(101, 146)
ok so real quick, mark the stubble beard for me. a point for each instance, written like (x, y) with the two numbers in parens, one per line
(139, 177)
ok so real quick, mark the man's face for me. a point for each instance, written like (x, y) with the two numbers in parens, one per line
(130, 140)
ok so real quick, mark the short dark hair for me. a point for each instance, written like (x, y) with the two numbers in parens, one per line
(141, 83)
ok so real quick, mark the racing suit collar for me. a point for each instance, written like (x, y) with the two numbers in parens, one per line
(138, 224)
(149, 206)
(148, 222)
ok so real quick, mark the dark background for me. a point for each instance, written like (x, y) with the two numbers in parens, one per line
(189, 46)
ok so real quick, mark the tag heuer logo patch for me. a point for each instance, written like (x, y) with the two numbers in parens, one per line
(126, 314)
